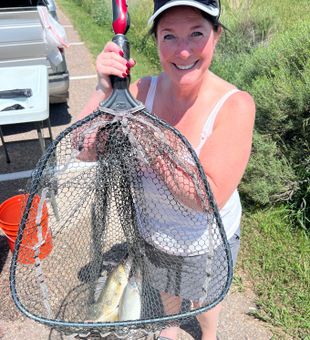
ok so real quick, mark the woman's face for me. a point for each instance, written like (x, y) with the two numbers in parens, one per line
(186, 42)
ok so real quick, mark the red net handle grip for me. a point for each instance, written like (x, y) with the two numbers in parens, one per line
(120, 16)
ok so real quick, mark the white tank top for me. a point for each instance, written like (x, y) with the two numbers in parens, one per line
(230, 213)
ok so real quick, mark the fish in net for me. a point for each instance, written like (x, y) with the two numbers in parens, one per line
(120, 231)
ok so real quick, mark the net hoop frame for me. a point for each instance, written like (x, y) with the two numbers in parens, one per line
(88, 326)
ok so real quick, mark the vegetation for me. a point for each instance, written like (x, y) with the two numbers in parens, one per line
(276, 256)
(265, 51)
(271, 60)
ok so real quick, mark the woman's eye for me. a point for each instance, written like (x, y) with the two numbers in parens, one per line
(196, 34)
(168, 37)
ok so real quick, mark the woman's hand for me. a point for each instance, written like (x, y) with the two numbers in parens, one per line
(111, 62)
(84, 141)
(90, 142)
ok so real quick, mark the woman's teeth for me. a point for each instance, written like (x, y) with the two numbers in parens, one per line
(185, 67)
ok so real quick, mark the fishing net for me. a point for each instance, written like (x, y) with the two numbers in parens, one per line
(120, 231)
(119, 188)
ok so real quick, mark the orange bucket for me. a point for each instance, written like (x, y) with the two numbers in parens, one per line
(11, 213)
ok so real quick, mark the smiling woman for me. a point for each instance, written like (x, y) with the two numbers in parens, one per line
(186, 44)
(215, 117)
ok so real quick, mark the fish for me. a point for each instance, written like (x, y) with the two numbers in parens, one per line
(130, 303)
(106, 307)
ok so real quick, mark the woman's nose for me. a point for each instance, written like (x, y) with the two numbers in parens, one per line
(184, 49)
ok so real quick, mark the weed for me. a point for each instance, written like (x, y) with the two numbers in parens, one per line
(277, 258)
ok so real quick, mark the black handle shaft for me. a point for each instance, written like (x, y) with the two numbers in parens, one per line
(123, 43)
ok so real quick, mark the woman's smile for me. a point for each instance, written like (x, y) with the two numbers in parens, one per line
(186, 67)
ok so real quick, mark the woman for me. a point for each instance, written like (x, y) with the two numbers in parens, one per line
(215, 117)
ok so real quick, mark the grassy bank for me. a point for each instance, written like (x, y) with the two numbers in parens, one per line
(275, 255)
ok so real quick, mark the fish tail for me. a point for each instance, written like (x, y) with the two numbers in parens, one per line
(128, 265)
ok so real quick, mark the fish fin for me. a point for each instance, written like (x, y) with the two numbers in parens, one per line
(109, 317)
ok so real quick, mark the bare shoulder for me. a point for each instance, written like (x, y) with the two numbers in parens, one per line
(241, 98)
(239, 109)
(239, 103)
(140, 88)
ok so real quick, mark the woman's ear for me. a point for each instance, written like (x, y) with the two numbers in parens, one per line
(217, 34)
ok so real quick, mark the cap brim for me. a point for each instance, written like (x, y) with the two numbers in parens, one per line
(213, 11)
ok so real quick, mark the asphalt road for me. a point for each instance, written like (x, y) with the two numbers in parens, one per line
(24, 150)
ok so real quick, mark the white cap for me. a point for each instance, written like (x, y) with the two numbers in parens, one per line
(211, 7)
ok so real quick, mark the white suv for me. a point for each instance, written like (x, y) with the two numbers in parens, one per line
(22, 42)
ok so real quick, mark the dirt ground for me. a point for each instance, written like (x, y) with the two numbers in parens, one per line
(235, 322)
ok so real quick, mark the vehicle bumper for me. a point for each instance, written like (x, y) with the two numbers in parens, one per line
(58, 87)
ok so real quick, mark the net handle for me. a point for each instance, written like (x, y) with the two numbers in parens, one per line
(120, 25)
(121, 98)
(117, 82)
(121, 21)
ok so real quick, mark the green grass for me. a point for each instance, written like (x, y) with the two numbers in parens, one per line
(277, 259)
(95, 37)
(276, 14)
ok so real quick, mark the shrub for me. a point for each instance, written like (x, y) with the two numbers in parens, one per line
(143, 43)
(268, 178)
(278, 77)
(100, 10)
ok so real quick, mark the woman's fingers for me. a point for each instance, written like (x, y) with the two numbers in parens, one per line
(131, 62)
(111, 61)
(112, 47)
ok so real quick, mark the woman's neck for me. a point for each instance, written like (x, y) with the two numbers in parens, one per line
(185, 93)
(181, 98)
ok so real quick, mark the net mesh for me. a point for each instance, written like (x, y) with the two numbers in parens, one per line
(120, 231)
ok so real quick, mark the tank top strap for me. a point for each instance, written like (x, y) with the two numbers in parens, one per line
(208, 126)
(149, 101)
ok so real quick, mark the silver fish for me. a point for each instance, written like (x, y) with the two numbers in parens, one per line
(106, 307)
(130, 303)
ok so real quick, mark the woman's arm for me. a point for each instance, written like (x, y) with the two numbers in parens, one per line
(224, 156)
(226, 152)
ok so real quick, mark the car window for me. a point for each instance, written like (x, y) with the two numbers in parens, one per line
(22, 3)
